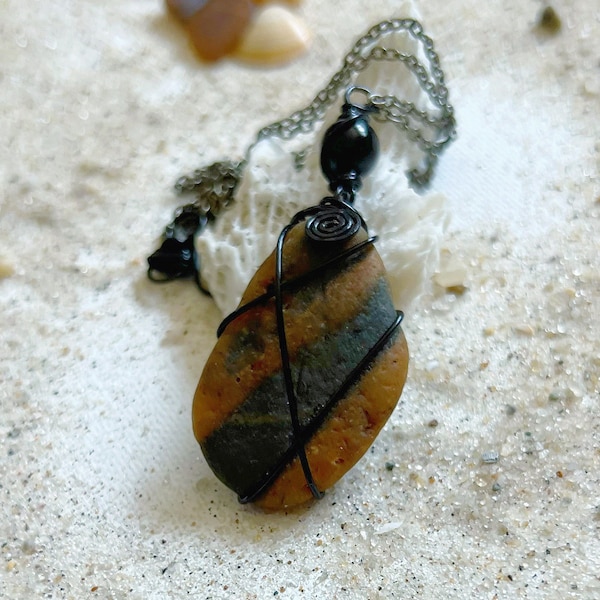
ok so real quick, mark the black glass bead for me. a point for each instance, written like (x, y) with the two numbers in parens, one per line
(176, 256)
(350, 149)
(174, 259)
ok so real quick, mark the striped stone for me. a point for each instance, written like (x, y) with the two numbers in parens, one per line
(332, 317)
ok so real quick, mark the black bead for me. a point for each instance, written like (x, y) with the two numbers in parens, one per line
(349, 151)
(176, 257)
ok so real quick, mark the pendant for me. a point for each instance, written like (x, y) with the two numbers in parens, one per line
(309, 367)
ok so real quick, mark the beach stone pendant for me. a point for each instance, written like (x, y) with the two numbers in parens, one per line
(308, 369)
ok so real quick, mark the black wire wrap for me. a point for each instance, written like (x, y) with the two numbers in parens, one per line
(301, 435)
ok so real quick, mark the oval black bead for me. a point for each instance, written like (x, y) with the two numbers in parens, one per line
(349, 151)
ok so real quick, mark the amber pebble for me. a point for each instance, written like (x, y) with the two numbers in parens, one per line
(549, 21)
(216, 29)
(333, 317)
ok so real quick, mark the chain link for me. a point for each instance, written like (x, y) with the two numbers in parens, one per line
(214, 186)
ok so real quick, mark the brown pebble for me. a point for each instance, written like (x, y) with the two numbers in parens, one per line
(549, 21)
(216, 29)
(457, 290)
(433, 423)
(6, 270)
(182, 10)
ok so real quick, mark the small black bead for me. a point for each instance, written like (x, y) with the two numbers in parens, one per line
(349, 151)
(174, 259)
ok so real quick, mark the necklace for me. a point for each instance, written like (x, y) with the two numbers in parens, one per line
(307, 370)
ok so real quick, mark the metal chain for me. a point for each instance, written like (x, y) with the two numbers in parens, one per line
(356, 61)
(214, 186)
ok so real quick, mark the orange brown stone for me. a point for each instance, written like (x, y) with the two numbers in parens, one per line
(241, 374)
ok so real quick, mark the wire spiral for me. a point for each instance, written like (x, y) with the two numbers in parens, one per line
(333, 224)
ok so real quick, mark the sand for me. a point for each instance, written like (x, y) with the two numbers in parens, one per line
(484, 484)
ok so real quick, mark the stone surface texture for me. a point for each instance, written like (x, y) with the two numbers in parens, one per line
(333, 317)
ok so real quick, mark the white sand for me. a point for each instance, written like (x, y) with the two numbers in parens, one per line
(103, 490)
